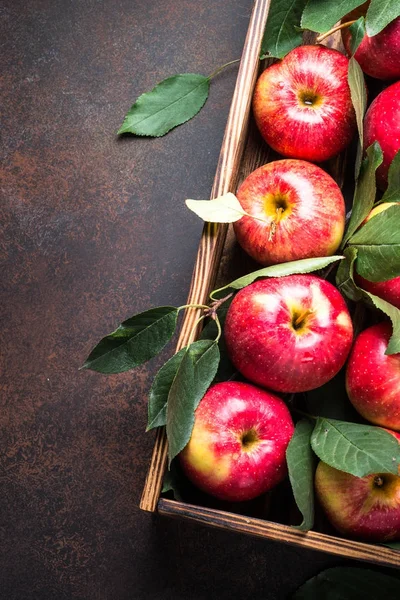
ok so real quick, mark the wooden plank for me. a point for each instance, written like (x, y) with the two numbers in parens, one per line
(283, 533)
(213, 237)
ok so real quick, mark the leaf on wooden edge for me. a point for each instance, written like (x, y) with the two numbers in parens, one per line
(392, 545)
(356, 449)
(365, 191)
(346, 285)
(305, 265)
(392, 193)
(158, 396)
(226, 371)
(194, 375)
(349, 583)
(224, 209)
(379, 14)
(172, 102)
(134, 342)
(357, 31)
(301, 461)
(281, 32)
(378, 246)
(322, 16)
(173, 481)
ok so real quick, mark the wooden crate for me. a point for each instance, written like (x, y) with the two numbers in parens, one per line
(243, 151)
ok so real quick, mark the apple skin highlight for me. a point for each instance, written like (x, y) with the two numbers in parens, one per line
(238, 443)
(302, 105)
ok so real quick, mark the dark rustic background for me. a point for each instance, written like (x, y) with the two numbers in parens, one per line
(93, 230)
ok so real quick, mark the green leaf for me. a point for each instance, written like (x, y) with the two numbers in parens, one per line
(281, 32)
(322, 16)
(305, 265)
(300, 461)
(193, 377)
(379, 14)
(357, 31)
(346, 285)
(358, 92)
(392, 193)
(134, 342)
(356, 449)
(226, 371)
(224, 209)
(158, 397)
(392, 545)
(349, 583)
(378, 246)
(170, 103)
(172, 481)
(365, 192)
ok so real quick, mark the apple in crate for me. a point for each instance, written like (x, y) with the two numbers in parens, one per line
(387, 290)
(373, 377)
(289, 334)
(302, 211)
(378, 55)
(363, 508)
(237, 448)
(302, 104)
(382, 124)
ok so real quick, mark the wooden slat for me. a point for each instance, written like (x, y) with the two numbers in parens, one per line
(282, 533)
(213, 237)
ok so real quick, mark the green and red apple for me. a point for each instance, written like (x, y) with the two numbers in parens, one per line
(289, 334)
(296, 210)
(302, 104)
(237, 448)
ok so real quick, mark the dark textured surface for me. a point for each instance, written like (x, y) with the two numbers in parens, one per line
(94, 230)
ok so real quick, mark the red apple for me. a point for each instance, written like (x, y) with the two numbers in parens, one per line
(382, 124)
(379, 55)
(302, 209)
(364, 508)
(289, 334)
(238, 443)
(373, 377)
(387, 290)
(302, 105)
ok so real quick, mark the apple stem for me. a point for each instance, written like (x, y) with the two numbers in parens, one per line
(214, 73)
(321, 37)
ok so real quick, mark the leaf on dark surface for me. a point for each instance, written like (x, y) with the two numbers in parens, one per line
(282, 30)
(224, 209)
(392, 193)
(379, 14)
(356, 449)
(322, 16)
(301, 461)
(365, 191)
(378, 246)
(172, 102)
(193, 377)
(134, 342)
(305, 265)
(349, 583)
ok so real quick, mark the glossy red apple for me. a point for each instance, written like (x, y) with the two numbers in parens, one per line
(373, 377)
(382, 124)
(364, 508)
(302, 211)
(302, 105)
(379, 55)
(387, 290)
(289, 334)
(238, 443)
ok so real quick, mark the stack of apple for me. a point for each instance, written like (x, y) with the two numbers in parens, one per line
(293, 334)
